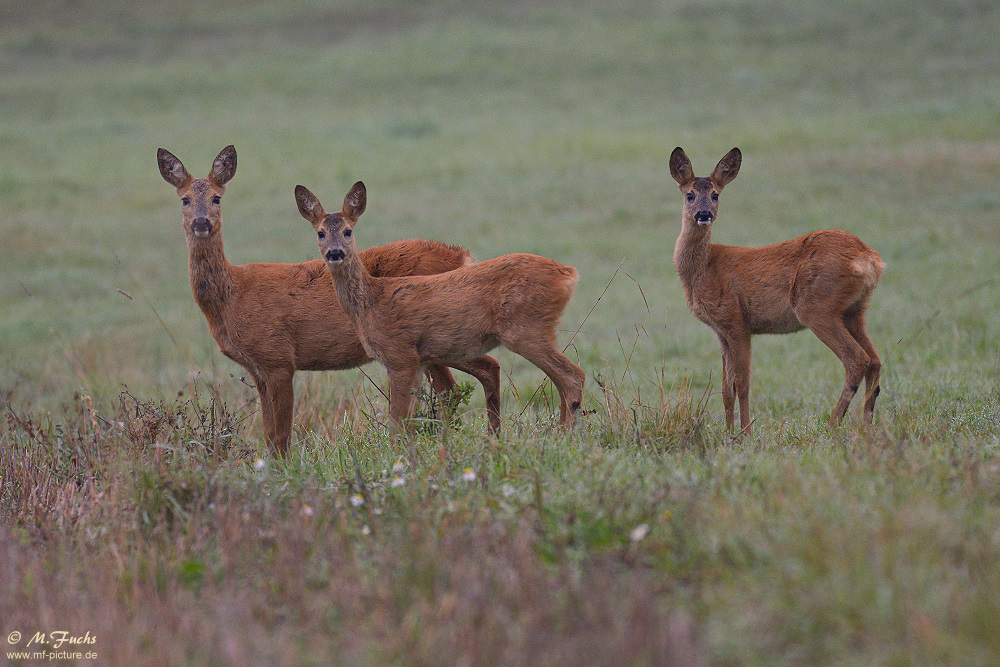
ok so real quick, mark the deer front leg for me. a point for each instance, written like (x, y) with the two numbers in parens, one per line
(402, 378)
(266, 408)
(741, 358)
(728, 383)
(282, 393)
(276, 403)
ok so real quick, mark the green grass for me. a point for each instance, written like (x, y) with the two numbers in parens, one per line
(537, 127)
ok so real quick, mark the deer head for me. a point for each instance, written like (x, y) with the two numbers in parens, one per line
(701, 195)
(200, 197)
(333, 230)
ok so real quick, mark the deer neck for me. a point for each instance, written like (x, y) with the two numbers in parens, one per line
(211, 277)
(691, 253)
(356, 288)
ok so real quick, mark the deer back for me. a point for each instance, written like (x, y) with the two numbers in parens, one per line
(468, 311)
(763, 289)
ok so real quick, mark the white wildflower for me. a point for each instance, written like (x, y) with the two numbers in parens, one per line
(639, 532)
(397, 482)
(469, 475)
(357, 500)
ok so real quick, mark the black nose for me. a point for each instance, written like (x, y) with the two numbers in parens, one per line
(201, 226)
(335, 255)
(703, 217)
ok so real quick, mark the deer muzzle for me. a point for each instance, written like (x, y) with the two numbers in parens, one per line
(703, 217)
(334, 256)
(201, 226)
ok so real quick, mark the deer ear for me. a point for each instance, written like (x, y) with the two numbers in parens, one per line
(309, 206)
(727, 168)
(680, 167)
(171, 169)
(224, 166)
(355, 201)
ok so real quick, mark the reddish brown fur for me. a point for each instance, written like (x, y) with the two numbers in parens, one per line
(275, 319)
(822, 281)
(407, 322)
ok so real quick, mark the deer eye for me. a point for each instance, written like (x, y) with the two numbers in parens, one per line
(690, 196)
(321, 234)
(216, 199)
(347, 232)
(185, 200)
(715, 196)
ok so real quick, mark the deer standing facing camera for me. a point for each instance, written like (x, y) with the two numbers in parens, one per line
(823, 281)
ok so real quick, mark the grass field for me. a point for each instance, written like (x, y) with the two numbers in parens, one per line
(139, 504)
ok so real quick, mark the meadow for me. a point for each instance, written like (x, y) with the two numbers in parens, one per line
(139, 504)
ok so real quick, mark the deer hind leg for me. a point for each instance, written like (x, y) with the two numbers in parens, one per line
(442, 382)
(855, 323)
(834, 333)
(486, 369)
(565, 375)
(440, 378)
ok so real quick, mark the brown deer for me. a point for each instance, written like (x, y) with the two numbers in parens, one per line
(822, 281)
(515, 301)
(275, 319)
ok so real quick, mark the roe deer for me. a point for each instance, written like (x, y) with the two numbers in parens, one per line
(275, 319)
(404, 323)
(822, 281)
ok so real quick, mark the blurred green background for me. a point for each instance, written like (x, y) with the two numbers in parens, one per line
(541, 127)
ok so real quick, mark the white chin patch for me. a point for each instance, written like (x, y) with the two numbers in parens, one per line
(334, 262)
(201, 232)
(704, 223)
